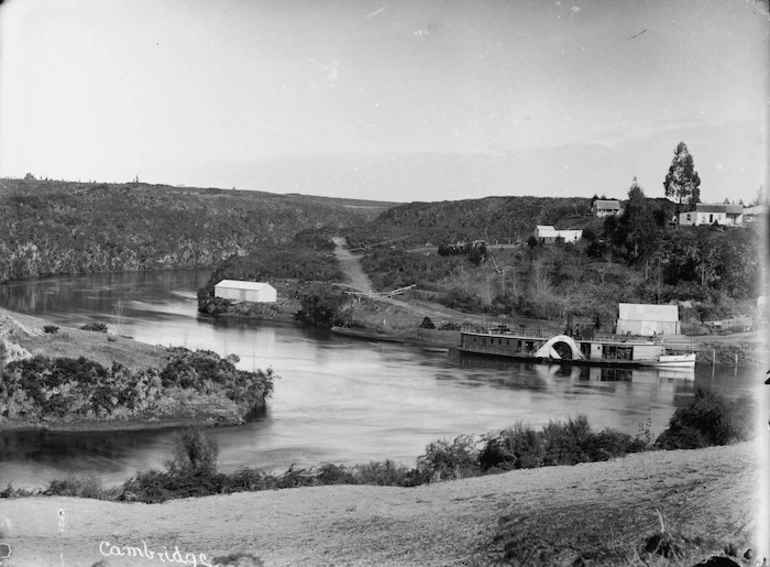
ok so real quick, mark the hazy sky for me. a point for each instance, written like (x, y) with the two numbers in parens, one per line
(397, 100)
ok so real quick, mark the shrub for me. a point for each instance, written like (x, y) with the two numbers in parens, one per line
(384, 473)
(10, 492)
(518, 447)
(40, 389)
(708, 419)
(323, 309)
(205, 371)
(335, 474)
(565, 441)
(50, 329)
(89, 486)
(444, 460)
(461, 300)
(195, 452)
(573, 442)
(96, 327)
(156, 486)
(427, 323)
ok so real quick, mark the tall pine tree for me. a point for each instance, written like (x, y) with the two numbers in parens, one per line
(682, 181)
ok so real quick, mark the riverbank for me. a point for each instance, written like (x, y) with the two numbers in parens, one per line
(400, 318)
(605, 511)
(387, 319)
(70, 380)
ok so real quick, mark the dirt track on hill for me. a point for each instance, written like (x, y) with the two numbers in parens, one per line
(359, 281)
(559, 511)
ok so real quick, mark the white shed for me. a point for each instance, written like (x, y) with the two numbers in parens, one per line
(547, 234)
(258, 292)
(646, 319)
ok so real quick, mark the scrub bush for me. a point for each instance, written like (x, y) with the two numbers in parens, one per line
(42, 389)
(445, 460)
(89, 486)
(194, 452)
(518, 447)
(708, 419)
(385, 473)
(96, 327)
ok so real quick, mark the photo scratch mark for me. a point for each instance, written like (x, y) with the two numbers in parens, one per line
(375, 12)
(637, 35)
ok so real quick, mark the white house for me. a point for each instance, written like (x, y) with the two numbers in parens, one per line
(257, 292)
(647, 320)
(705, 214)
(606, 207)
(547, 233)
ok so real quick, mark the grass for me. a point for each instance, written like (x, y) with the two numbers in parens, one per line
(70, 342)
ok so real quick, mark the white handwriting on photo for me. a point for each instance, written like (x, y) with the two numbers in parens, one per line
(166, 556)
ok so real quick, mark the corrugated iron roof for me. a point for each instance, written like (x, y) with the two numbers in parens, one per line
(546, 230)
(707, 208)
(648, 312)
(238, 284)
(607, 204)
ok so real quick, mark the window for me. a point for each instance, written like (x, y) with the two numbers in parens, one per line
(711, 218)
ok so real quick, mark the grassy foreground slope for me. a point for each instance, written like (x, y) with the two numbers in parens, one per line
(55, 227)
(601, 512)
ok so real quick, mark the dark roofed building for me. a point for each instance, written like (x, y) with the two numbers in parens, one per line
(605, 207)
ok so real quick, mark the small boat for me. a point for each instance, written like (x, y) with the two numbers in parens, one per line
(674, 361)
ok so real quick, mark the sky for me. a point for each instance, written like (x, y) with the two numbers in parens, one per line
(409, 100)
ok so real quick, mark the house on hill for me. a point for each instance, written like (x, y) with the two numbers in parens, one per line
(704, 213)
(647, 320)
(236, 290)
(548, 234)
(605, 207)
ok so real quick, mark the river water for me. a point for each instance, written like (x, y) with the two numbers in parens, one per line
(338, 400)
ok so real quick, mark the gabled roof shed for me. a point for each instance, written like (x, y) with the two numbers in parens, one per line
(236, 290)
(647, 319)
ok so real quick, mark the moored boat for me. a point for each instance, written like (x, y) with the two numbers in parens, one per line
(538, 347)
(675, 361)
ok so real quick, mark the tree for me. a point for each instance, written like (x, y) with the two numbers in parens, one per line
(641, 229)
(29, 177)
(682, 181)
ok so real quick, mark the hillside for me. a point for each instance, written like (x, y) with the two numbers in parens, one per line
(490, 218)
(713, 272)
(53, 227)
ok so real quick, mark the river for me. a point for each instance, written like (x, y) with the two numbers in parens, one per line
(338, 399)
